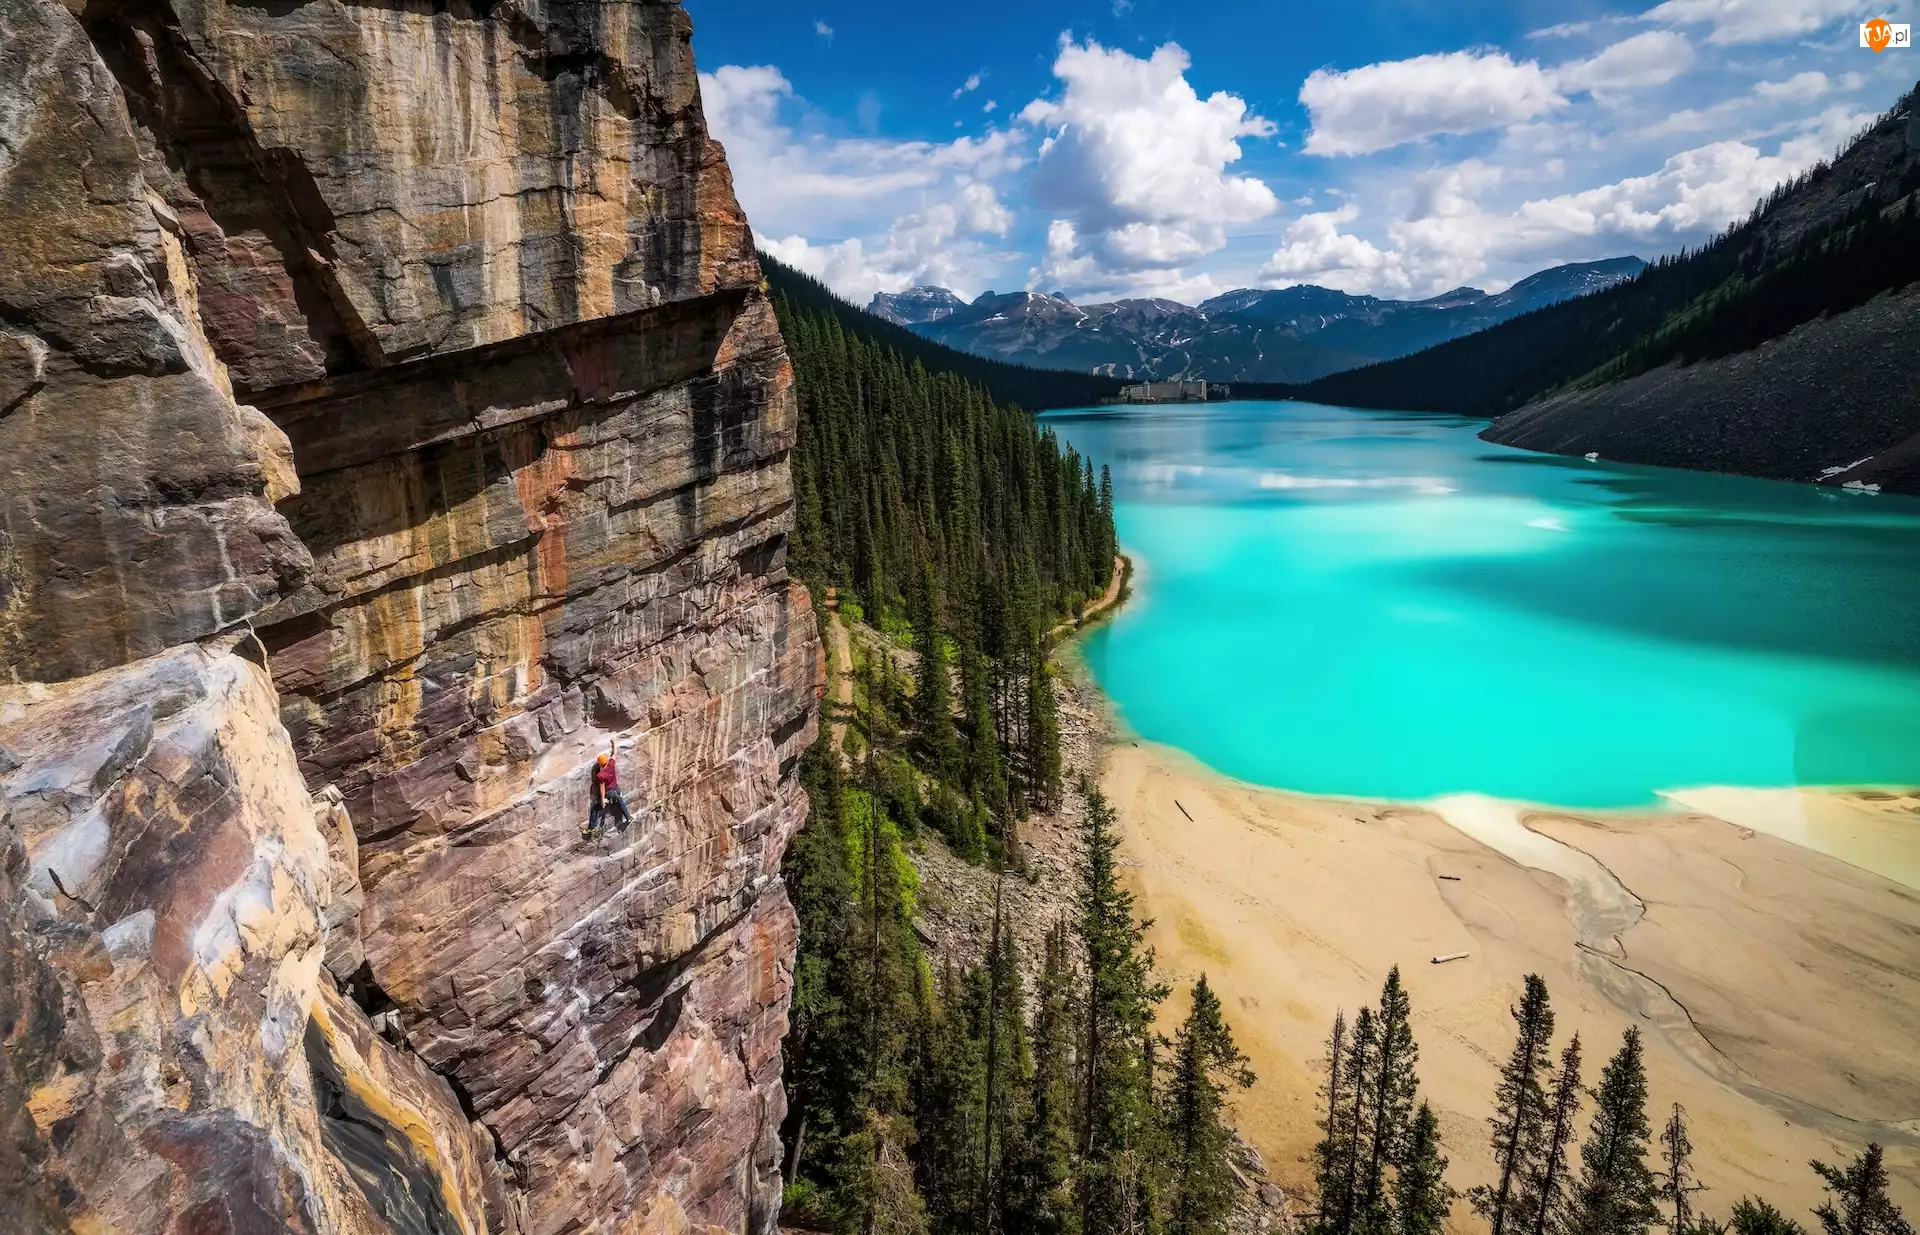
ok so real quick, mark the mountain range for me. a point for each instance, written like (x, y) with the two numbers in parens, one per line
(1788, 347)
(1294, 334)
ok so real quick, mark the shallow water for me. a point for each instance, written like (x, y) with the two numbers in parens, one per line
(1381, 604)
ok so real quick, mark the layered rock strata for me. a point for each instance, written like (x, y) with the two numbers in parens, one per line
(390, 422)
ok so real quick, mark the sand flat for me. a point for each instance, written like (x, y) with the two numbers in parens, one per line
(1779, 988)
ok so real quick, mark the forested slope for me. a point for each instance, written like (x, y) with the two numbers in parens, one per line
(1821, 245)
(928, 1101)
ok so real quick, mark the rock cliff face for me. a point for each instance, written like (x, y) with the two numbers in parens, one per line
(390, 421)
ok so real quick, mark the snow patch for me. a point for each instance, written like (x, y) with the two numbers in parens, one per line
(1827, 473)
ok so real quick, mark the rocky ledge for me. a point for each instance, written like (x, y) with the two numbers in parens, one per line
(390, 422)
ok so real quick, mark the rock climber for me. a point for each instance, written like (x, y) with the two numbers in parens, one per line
(606, 796)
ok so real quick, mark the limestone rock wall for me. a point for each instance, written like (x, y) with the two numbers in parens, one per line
(390, 421)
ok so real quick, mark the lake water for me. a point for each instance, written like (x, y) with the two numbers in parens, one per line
(1382, 605)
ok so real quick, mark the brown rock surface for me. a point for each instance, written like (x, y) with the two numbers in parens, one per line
(167, 887)
(298, 930)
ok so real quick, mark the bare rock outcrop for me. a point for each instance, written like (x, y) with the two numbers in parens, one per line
(390, 422)
(1836, 401)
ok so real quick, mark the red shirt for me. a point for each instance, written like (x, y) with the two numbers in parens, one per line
(605, 777)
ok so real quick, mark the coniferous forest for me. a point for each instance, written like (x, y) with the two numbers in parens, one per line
(933, 511)
(967, 1099)
(1379, 1168)
(1045, 1095)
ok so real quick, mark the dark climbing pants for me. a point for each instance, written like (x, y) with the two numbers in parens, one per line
(611, 804)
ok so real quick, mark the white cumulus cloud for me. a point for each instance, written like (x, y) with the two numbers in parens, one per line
(1755, 21)
(1800, 88)
(1650, 59)
(1449, 238)
(1376, 106)
(919, 248)
(862, 214)
(1135, 163)
(1317, 251)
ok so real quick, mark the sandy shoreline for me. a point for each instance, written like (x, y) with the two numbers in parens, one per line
(1779, 988)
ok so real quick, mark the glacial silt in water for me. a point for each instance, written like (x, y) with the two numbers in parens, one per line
(1381, 604)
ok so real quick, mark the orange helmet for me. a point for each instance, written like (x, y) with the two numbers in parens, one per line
(601, 759)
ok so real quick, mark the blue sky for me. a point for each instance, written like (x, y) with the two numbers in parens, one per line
(1185, 147)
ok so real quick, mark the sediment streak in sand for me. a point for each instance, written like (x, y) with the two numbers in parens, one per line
(1779, 989)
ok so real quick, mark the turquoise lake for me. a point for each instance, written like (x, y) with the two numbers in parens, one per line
(1382, 605)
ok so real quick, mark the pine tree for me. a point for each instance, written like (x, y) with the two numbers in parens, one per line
(820, 884)
(881, 1186)
(1388, 1109)
(1205, 1066)
(1519, 1106)
(1857, 1202)
(1546, 1181)
(1615, 1194)
(1678, 1186)
(947, 1104)
(1421, 1197)
(1117, 1120)
(1108, 547)
(1341, 1152)
(1334, 1150)
(984, 777)
(1753, 1216)
(1043, 730)
(933, 694)
(1038, 1189)
(1008, 1067)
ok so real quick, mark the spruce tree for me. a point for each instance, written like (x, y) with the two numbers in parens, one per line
(1857, 1202)
(1421, 1197)
(1546, 1180)
(1108, 548)
(820, 883)
(1340, 1206)
(1616, 1194)
(883, 1191)
(1388, 1110)
(1519, 1106)
(1039, 1172)
(1008, 1066)
(1753, 1216)
(1117, 1119)
(1334, 1150)
(933, 694)
(1043, 729)
(947, 1082)
(1678, 1185)
(1205, 1067)
(984, 777)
